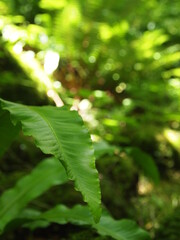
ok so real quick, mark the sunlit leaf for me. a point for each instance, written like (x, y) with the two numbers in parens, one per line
(48, 4)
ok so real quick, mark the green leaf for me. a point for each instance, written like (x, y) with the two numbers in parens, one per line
(146, 163)
(53, 5)
(25, 219)
(48, 173)
(6, 137)
(120, 229)
(117, 229)
(61, 132)
(102, 147)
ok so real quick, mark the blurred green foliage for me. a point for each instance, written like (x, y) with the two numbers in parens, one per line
(120, 67)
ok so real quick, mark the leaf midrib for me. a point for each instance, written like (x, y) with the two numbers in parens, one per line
(62, 153)
(51, 128)
(109, 232)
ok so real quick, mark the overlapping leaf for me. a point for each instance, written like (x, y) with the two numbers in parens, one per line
(6, 137)
(80, 215)
(146, 163)
(61, 132)
(48, 173)
(117, 229)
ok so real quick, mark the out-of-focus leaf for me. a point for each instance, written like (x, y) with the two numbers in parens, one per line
(62, 133)
(173, 137)
(48, 4)
(25, 219)
(117, 229)
(6, 137)
(102, 147)
(48, 173)
(146, 163)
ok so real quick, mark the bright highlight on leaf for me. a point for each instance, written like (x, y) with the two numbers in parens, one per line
(61, 132)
